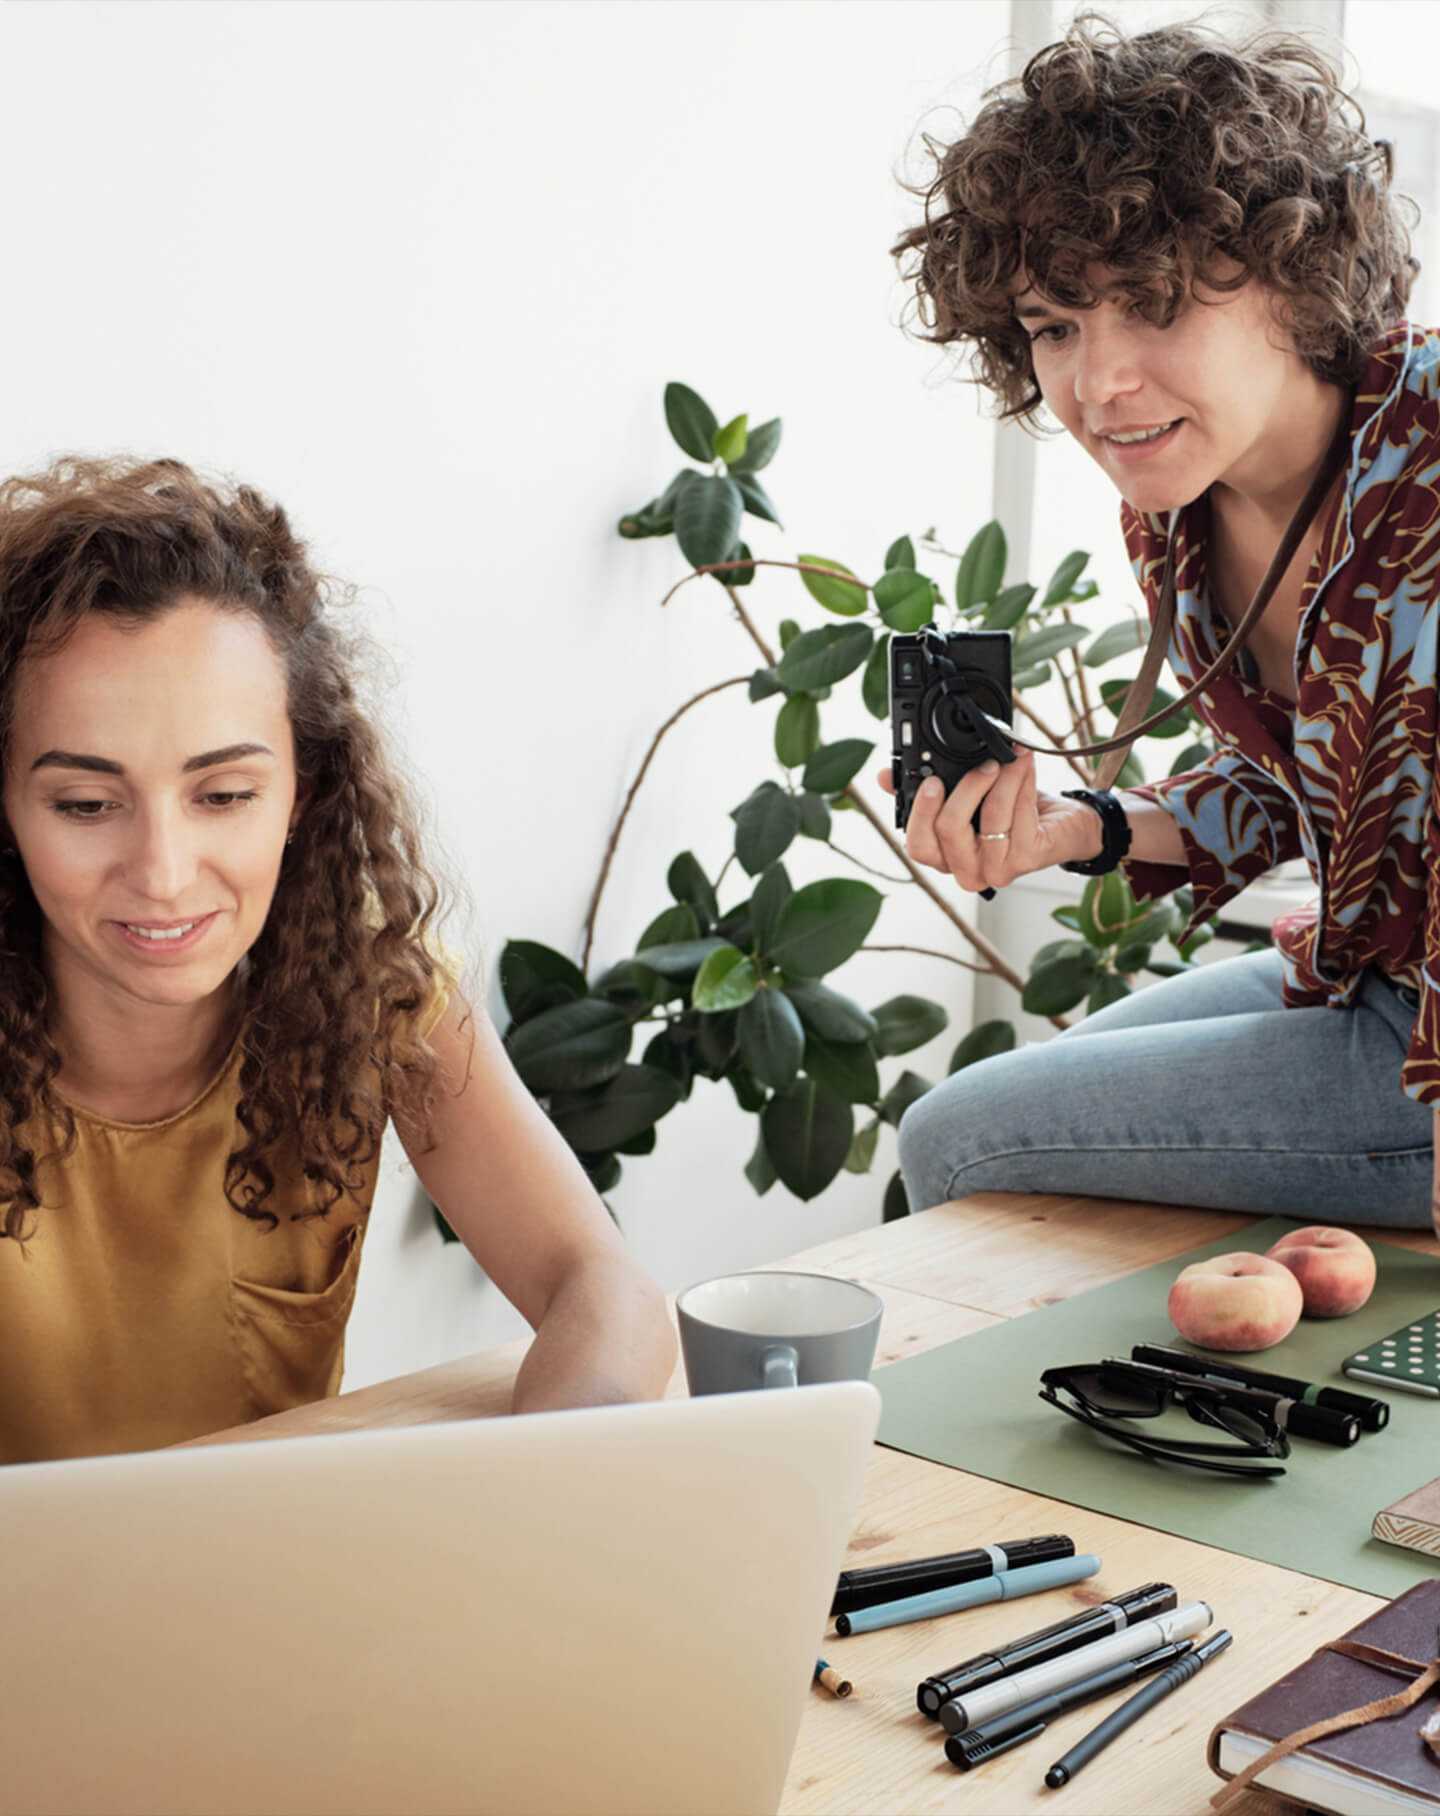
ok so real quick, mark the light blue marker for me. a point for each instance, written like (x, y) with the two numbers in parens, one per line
(1002, 1588)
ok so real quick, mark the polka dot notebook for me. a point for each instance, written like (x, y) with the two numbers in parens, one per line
(1408, 1358)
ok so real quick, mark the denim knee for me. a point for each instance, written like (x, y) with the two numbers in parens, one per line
(931, 1138)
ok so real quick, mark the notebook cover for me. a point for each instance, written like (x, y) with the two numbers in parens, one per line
(1412, 1521)
(1327, 1683)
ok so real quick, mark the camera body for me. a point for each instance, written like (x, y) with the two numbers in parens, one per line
(937, 680)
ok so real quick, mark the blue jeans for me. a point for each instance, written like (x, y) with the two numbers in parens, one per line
(1200, 1090)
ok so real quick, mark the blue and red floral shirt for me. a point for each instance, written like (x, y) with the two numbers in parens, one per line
(1348, 778)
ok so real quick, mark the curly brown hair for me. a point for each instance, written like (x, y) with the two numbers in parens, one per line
(328, 993)
(1152, 155)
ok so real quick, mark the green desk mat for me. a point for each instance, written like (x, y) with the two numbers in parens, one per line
(974, 1404)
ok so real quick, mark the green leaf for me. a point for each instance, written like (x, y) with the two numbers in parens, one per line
(1164, 967)
(1130, 772)
(570, 1048)
(692, 421)
(771, 894)
(906, 599)
(687, 882)
(797, 730)
(671, 926)
(756, 499)
(875, 686)
(1202, 936)
(741, 576)
(680, 958)
(1007, 609)
(734, 926)
(1030, 677)
(771, 1038)
(1048, 641)
(766, 823)
(707, 519)
(534, 978)
(670, 1052)
(635, 987)
(717, 1039)
(844, 596)
(1108, 910)
(983, 1042)
(1059, 985)
(759, 448)
(1113, 694)
(982, 566)
(1190, 758)
(1132, 958)
(1062, 581)
(908, 1088)
(823, 924)
(1068, 916)
(631, 1102)
(897, 1202)
(763, 683)
(603, 1170)
(832, 766)
(1116, 640)
(750, 1094)
(1108, 989)
(446, 1233)
(907, 1022)
(829, 1014)
(862, 1148)
(724, 981)
(900, 554)
(789, 631)
(814, 817)
(1159, 921)
(807, 1135)
(847, 1068)
(823, 656)
(728, 444)
(759, 1169)
(1058, 949)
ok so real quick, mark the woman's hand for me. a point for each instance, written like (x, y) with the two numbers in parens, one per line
(1043, 829)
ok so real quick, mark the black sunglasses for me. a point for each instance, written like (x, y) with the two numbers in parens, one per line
(1104, 1392)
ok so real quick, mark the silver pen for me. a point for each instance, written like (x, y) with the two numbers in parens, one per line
(1007, 1693)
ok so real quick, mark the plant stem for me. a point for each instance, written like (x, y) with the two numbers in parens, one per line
(679, 713)
(930, 952)
(1086, 702)
(860, 864)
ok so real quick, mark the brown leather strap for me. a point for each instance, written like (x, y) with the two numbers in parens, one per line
(1377, 1710)
(1143, 686)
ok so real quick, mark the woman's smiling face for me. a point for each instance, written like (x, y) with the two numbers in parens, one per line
(137, 831)
(1223, 373)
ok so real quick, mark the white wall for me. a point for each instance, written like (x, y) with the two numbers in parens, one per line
(422, 271)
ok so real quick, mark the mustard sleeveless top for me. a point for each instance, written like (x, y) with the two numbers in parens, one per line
(150, 1310)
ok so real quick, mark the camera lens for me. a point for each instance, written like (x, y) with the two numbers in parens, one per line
(946, 726)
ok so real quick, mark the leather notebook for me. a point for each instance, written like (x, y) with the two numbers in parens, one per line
(1381, 1766)
(1412, 1521)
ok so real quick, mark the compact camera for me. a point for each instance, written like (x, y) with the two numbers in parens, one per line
(950, 706)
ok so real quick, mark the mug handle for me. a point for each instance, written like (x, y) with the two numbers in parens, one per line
(781, 1366)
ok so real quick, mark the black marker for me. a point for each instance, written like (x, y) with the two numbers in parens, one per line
(1325, 1424)
(1068, 1764)
(977, 1745)
(1047, 1643)
(1373, 1415)
(858, 1589)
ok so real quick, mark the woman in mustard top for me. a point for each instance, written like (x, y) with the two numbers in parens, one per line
(219, 982)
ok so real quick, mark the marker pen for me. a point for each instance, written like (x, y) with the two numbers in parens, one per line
(1049, 1642)
(891, 1582)
(984, 1589)
(976, 1745)
(1373, 1415)
(994, 1700)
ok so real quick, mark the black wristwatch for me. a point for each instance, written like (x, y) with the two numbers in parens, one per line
(1116, 829)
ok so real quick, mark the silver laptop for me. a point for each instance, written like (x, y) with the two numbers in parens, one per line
(616, 1609)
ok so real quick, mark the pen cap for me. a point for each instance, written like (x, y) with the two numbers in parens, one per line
(1327, 1423)
(958, 1753)
(1149, 1599)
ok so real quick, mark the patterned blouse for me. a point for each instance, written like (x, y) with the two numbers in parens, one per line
(1347, 779)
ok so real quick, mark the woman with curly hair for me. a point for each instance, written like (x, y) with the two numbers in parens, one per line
(220, 982)
(1188, 250)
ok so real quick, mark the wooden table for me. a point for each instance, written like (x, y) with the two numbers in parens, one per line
(943, 1274)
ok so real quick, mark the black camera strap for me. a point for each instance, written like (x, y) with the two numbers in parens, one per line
(1143, 686)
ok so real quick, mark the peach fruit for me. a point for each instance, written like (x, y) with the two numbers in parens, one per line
(1240, 1301)
(1335, 1268)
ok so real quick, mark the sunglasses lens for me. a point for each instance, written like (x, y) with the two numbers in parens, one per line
(1111, 1390)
